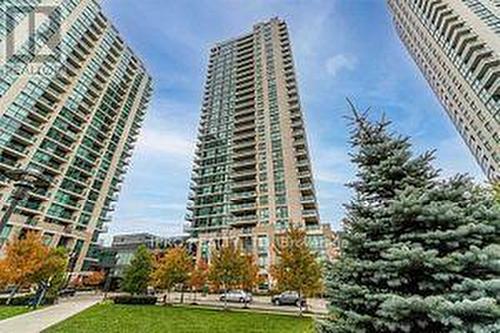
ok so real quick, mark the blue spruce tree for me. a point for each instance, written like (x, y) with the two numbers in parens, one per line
(420, 254)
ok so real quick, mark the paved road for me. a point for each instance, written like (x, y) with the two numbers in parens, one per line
(36, 321)
(315, 305)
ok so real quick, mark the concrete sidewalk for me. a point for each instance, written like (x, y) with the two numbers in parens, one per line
(37, 321)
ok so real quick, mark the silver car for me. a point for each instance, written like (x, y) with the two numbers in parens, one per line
(239, 296)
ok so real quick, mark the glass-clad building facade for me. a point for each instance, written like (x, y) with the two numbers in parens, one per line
(73, 115)
(456, 45)
(252, 174)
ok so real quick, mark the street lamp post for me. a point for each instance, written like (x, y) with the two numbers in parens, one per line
(25, 181)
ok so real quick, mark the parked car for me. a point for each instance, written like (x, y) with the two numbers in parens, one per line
(67, 292)
(288, 298)
(237, 296)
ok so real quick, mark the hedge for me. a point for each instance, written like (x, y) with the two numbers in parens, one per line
(134, 299)
(26, 300)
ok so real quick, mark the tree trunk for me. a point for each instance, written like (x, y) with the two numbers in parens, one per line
(300, 304)
(245, 305)
(182, 294)
(40, 297)
(225, 296)
(11, 295)
(194, 297)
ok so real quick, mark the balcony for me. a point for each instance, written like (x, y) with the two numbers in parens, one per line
(245, 105)
(244, 112)
(244, 80)
(302, 163)
(24, 136)
(243, 195)
(244, 220)
(62, 220)
(244, 164)
(305, 174)
(295, 116)
(308, 199)
(243, 129)
(301, 153)
(245, 155)
(310, 215)
(243, 207)
(246, 119)
(15, 149)
(244, 137)
(243, 174)
(307, 187)
(102, 229)
(243, 145)
(238, 185)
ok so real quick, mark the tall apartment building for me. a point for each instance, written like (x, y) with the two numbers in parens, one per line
(74, 116)
(456, 44)
(252, 174)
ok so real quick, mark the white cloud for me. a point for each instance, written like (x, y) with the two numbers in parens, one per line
(332, 165)
(332, 176)
(169, 129)
(169, 206)
(340, 62)
(166, 142)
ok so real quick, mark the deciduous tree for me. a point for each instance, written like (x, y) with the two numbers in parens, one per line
(52, 274)
(94, 279)
(226, 268)
(173, 269)
(199, 277)
(296, 267)
(24, 258)
(250, 277)
(137, 274)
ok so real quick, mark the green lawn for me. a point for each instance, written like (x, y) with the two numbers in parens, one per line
(150, 319)
(11, 311)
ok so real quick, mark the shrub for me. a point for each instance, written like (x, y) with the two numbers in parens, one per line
(135, 300)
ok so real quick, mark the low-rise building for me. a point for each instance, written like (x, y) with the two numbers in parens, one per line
(124, 246)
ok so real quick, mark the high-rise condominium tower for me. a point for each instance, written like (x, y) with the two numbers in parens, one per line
(456, 44)
(252, 175)
(72, 113)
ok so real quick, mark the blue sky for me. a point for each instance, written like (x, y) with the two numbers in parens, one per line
(343, 48)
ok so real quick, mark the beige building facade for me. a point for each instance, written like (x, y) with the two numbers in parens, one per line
(73, 96)
(252, 174)
(456, 44)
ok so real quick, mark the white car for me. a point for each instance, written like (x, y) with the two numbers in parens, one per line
(239, 296)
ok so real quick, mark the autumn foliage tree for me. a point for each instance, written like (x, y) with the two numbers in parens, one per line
(199, 277)
(297, 267)
(231, 268)
(250, 277)
(53, 270)
(225, 269)
(28, 261)
(94, 279)
(173, 269)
